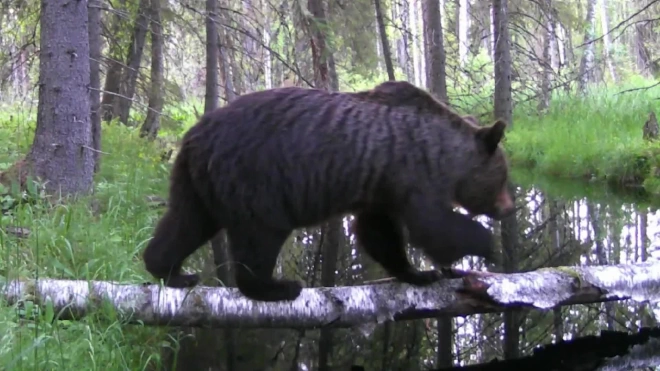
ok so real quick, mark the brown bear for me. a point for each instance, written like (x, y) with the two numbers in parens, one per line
(276, 160)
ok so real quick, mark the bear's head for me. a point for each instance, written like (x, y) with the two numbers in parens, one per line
(484, 188)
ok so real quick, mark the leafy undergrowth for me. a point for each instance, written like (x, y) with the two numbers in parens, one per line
(598, 137)
(97, 238)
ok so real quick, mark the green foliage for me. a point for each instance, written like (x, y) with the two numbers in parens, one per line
(598, 137)
(351, 34)
(179, 118)
(97, 238)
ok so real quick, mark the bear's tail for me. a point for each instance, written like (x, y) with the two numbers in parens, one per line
(184, 228)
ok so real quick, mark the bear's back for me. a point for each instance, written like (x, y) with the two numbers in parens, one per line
(323, 152)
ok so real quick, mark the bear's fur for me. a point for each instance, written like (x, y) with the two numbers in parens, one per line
(281, 159)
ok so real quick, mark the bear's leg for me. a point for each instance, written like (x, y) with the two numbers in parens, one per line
(255, 249)
(381, 236)
(179, 233)
(444, 235)
(184, 228)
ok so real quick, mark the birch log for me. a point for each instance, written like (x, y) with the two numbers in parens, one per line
(471, 293)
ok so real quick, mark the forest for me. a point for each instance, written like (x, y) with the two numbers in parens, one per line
(95, 96)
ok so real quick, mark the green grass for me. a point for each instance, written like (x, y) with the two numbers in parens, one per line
(78, 241)
(598, 137)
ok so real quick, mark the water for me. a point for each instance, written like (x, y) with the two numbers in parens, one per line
(564, 223)
(605, 225)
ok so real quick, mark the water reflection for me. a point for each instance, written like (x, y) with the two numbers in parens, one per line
(570, 223)
(604, 226)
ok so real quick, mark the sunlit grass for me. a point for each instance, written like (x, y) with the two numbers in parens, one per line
(598, 137)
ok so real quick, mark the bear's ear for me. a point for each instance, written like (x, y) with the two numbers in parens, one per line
(491, 136)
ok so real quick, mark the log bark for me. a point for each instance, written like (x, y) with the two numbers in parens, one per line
(362, 306)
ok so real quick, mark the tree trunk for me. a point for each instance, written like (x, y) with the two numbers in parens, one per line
(435, 56)
(211, 96)
(556, 239)
(607, 42)
(510, 249)
(62, 152)
(587, 62)
(646, 65)
(225, 273)
(332, 73)
(503, 110)
(599, 239)
(555, 51)
(647, 317)
(268, 58)
(407, 45)
(414, 43)
(317, 23)
(437, 84)
(225, 66)
(333, 233)
(133, 61)
(445, 339)
(219, 244)
(491, 49)
(94, 30)
(333, 228)
(546, 62)
(152, 121)
(463, 27)
(114, 71)
(502, 95)
(203, 353)
(382, 31)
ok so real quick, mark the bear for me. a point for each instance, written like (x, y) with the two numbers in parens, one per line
(276, 160)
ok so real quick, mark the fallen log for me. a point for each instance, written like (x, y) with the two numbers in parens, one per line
(470, 293)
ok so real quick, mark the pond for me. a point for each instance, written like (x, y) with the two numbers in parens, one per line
(564, 223)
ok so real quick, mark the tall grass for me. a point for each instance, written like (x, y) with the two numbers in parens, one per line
(97, 238)
(596, 137)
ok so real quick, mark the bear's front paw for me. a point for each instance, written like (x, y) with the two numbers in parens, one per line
(182, 281)
(421, 278)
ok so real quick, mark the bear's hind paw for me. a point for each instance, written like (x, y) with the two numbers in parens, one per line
(271, 290)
